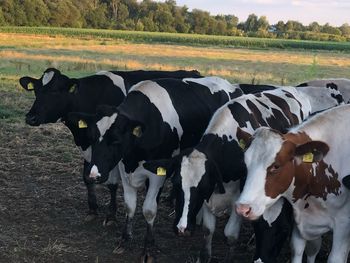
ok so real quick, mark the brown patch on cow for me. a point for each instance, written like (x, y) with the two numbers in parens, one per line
(318, 181)
(315, 182)
(297, 138)
(280, 174)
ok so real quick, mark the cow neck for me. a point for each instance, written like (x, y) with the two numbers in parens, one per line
(226, 154)
(320, 98)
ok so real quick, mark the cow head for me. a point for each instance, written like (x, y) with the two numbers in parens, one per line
(195, 177)
(53, 92)
(280, 165)
(97, 131)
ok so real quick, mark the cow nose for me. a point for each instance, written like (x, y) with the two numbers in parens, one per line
(32, 120)
(243, 209)
(183, 232)
(94, 173)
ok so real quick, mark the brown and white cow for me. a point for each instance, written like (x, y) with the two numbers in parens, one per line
(306, 166)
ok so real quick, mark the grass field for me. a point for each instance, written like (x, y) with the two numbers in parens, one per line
(43, 199)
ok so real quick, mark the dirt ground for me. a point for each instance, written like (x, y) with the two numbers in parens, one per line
(43, 206)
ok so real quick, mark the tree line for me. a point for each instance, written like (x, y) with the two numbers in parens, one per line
(148, 15)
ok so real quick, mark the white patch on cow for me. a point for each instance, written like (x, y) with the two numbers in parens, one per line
(161, 99)
(192, 170)
(343, 85)
(258, 261)
(273, 211)
(260, 155)
(94, 173)
(117, 80)
(48, 77)
(214, 84)
(320, 98)
(105, 123)
(223, 124)
(86, 154)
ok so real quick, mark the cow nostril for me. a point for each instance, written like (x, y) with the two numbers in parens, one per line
(247, 212)
(31, 119)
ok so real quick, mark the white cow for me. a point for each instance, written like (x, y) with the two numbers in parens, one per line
(306, 166)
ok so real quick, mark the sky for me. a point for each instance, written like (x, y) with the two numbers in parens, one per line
(305, 11)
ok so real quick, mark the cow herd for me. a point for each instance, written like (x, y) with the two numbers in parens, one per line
(275, 155)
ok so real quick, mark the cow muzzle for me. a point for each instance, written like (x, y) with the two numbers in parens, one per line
(32, 120)
(244, 210)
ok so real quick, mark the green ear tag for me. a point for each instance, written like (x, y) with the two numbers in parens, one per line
(242, 144)
(30, 86)
(72, 88)
(82, 124)
(308, 157)
(137, 131)
(161, 171)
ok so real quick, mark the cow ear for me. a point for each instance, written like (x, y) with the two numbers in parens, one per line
(137, 131)
(311, 152)
(244, 139)
(28, 83)
(80, 120)
(163, 167)
(218, 177)
(72, 86)
(105, 110)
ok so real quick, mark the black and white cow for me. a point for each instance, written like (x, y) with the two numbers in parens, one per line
(56, 95)
(341, 84)
(305, 166)
(211, 170)
(156, 119)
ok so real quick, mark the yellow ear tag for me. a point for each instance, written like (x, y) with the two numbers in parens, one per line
(72, 88)
(137, 131)
(30, 86)
(242, 144)
(161, 171)
(82, 124)
(308, 157)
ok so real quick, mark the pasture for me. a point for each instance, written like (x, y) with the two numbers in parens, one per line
(43, 198)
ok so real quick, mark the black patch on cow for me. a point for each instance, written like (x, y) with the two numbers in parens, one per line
(332, 86)
(252, 89)
(306, 205)
(305, 84)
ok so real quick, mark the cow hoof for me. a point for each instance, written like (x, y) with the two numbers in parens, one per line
(109, 222)
(122, 246)
(147, 258)
(90, 217)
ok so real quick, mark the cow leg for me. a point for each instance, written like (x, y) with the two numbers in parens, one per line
(312, 248)
(341, 243)
(232, 228)
(297, 246)
(112, 208)
(149, 210)
(209, 222)
(130, 199)
(90, 187)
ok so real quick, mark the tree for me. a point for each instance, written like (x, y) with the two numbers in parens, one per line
(345, 29)
(263, 23)
(314, 27)
(63, 13)
(37, 12)
(251, 24)
(200, 21)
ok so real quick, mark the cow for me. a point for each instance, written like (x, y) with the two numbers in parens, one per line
(305, 166)
(212, 169)
(341, 84)
(170, 115)
(56, 95)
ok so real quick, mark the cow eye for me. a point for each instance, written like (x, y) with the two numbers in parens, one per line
(275, 167)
